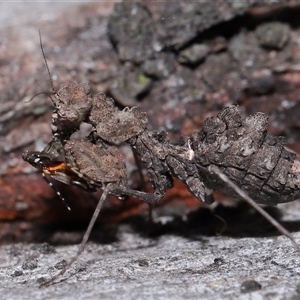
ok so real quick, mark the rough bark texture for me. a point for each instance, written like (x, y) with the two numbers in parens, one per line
(180, 63)
(245, 57)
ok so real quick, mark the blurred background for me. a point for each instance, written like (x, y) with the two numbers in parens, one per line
(180, 63)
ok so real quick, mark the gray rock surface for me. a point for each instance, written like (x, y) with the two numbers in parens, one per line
(169, 267)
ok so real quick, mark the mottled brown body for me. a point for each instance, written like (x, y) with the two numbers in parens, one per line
(255, 160)
(97, 163)
(164, 160)
(113, 125)
(243, 149)
(72, 105)
(226, 153)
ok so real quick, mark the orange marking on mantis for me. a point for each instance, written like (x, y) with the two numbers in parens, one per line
(56, 167)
